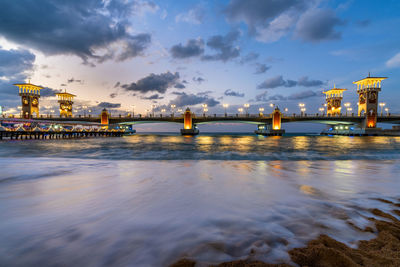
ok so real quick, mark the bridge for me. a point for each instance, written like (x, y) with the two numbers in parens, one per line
(267, 124)
(264, 122)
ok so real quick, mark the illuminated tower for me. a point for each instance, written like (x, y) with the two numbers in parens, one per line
(188, 127)
(368, 90)
(104, 116)
(30, 95)
(66, 100)
(276, 119)
(334, 98)
(187, 119)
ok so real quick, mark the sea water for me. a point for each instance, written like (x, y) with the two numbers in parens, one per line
(150, 200)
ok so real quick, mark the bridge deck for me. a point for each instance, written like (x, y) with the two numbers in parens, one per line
(255, 119)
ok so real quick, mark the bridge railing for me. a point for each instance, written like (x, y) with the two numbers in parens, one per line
(200, 115)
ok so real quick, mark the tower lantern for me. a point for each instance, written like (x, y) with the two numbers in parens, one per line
(368, 90)
(30, 95)
(187, 119)
(66, 100)
(276, 119)
(334, 98)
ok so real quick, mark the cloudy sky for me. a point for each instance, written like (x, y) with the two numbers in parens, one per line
(119, 53)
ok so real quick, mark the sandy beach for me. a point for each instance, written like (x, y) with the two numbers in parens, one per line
(324, 251)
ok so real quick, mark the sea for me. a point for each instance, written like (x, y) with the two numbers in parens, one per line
(153, 199)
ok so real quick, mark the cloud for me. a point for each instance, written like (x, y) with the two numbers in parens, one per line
(263, 97)
(72, 80)
(49, 92)
(183, 100)
(394, 61)
(15, 63)
(249, 57)
(77, 27)
(302, 95)
(261, 68)
(152, 97)
(153, 82)
(192, 48)
(193, 16)
(230, 92)
(273, 82)
(278, 81)
(317, 25)
(363, 23)
(270, 20)
(224, 45)
(198, 79)
(109, 105)
(304, 81)
(179, 86)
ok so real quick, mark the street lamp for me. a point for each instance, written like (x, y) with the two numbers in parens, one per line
(180, 110)
(387, 111)
(172, 109)
(347, 105)
(225, 107)
(247, 108)
(286, 109)
(84, 110)
(163, 111)
(302, 107)
(133, 111)
(302, 111)
(382, 105)
(205, 109)
(272, 105)
(240, 110)
(322, 111)
(261, 111)
(349, 110)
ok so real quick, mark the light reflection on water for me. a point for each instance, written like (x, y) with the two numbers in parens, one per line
(66, 203)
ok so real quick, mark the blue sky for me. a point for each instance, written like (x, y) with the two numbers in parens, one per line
(119, 53)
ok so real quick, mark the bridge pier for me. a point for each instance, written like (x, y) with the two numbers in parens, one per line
(274, 129)
(188, 127)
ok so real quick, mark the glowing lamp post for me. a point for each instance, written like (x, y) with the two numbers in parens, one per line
(382, 105)
(322, 111)
(387, 111)
(302, 108)
(240, 110)
(246, 106)
(347, 105)
(349, 110)
(225, 107)
(163, 111)
(172, 109)
(180, 110)
(286, 110)
(133, 111)
(205, 109)
(272, 105)
(261, 110)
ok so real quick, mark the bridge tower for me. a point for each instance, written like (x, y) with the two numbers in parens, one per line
(104, 117)
(188, 127)
(66, 100)
(276, 119)
(30, 95)
(334, 98)
(273, 129)
(368, 90)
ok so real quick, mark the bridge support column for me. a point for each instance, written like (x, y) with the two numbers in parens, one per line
(188, 127)
(274, 129)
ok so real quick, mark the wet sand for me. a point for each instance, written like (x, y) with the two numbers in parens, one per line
(383, 250)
